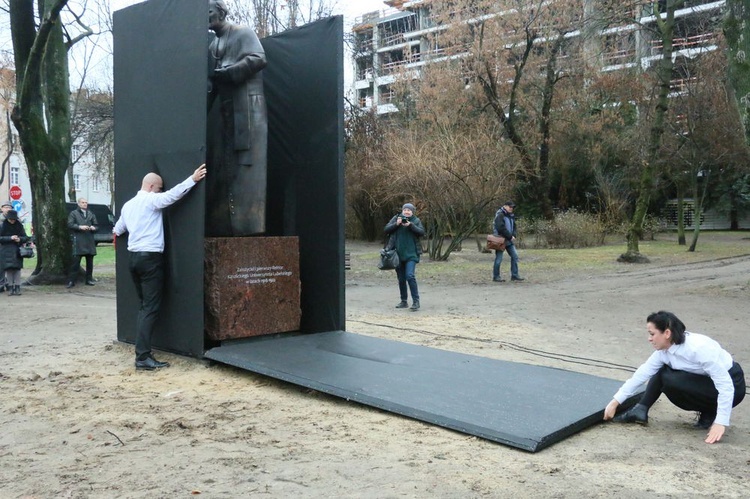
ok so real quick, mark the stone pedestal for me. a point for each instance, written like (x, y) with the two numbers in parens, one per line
(251, 286)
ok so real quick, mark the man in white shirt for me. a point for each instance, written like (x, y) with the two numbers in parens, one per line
(692, 370)
(141, 218)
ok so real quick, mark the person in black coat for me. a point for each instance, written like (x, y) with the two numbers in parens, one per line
(12, 236)
(82, 224)
(4, 209)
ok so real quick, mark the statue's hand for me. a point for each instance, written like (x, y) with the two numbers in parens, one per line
(221, 75)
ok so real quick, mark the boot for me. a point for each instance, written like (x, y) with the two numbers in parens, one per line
(17, 290)
(415, 306)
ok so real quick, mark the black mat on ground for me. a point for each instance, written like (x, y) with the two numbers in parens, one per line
(520, 405)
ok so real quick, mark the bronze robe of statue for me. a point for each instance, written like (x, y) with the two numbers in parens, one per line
(237, 135)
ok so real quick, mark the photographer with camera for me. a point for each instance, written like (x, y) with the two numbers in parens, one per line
(405, 229)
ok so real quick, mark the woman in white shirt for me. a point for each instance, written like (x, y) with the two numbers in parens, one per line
(692, 370)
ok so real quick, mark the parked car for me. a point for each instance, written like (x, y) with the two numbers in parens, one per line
(104, 217)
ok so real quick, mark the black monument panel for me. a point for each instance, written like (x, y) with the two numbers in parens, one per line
(160, 126)
(304, 89)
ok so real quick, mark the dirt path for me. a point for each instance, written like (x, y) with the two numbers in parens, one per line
(78, 421)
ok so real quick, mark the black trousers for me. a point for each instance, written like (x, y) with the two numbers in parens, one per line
(691, 392)
(77, 263)
(147, 271)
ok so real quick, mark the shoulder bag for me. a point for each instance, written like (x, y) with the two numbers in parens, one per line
(26, 251)
(496, 243)
(388, 259)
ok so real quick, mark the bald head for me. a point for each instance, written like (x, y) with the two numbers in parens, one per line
(152, 183)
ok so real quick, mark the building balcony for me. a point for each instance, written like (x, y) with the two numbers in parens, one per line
(616, 57)
(684, 43)
(681, 85)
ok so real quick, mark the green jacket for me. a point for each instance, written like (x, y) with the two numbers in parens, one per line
(405, 239)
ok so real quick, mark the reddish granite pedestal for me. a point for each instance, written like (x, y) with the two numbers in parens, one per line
(251, 286)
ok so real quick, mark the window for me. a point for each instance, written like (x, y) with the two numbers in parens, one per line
(75, 153)
(76, 181)
(14, 175)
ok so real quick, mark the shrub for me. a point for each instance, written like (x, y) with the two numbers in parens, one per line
(569, 229)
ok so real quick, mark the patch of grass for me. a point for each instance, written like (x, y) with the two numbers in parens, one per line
(105, 255)
(544, 265)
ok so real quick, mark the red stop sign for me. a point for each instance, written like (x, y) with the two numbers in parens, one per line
(15, 192)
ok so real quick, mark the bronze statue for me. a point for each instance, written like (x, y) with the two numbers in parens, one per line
(238, 129)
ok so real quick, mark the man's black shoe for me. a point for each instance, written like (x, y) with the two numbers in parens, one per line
(90, 282)
(498, 279)
(705, 420)
(636, 414)
(402, 304)
(517, 279)
(150, 364)
(70, 284)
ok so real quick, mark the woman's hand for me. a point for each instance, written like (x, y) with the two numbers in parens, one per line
(715, 433)
(610, 410)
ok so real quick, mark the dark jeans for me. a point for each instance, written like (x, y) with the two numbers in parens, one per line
(147, 270)
(511, 249)
(405, 273)
(691, 392)
(77, 263)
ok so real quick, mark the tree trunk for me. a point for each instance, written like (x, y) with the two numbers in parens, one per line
(700, 197)
(42, 118)
(737, 33)
(648, 177)
(680, 215)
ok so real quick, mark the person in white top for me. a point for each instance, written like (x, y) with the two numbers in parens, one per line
(141, 218)
(692, 370)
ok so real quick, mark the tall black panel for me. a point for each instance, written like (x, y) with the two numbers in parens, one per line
(160, 126)
(304, 89)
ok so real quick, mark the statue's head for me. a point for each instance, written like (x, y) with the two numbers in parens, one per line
(219, 5)
(217, 13)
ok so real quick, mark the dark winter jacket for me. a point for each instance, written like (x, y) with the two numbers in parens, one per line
(405, 239)
(505, 225)
(83, 240)
(10, 258)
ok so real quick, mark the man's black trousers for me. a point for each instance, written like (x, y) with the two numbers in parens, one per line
(147, 270)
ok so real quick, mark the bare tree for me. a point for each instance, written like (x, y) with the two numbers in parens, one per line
(448, 155)
(737, 32)
(42, 117)
(270, 17)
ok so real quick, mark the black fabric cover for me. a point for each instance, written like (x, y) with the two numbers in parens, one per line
(160, 126)
(520, 405)
(305, 94)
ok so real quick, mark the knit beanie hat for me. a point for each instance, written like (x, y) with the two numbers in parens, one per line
(409, 206)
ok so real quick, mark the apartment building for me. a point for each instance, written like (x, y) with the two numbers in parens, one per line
(406, 36)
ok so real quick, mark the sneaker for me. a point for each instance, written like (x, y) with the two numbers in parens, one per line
(498, 279)
(402, 304)
(415, 306)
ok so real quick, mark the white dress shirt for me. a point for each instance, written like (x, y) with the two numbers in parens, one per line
(699, 354)
(141, 217)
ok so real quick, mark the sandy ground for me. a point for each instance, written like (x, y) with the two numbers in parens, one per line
(78, 421)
